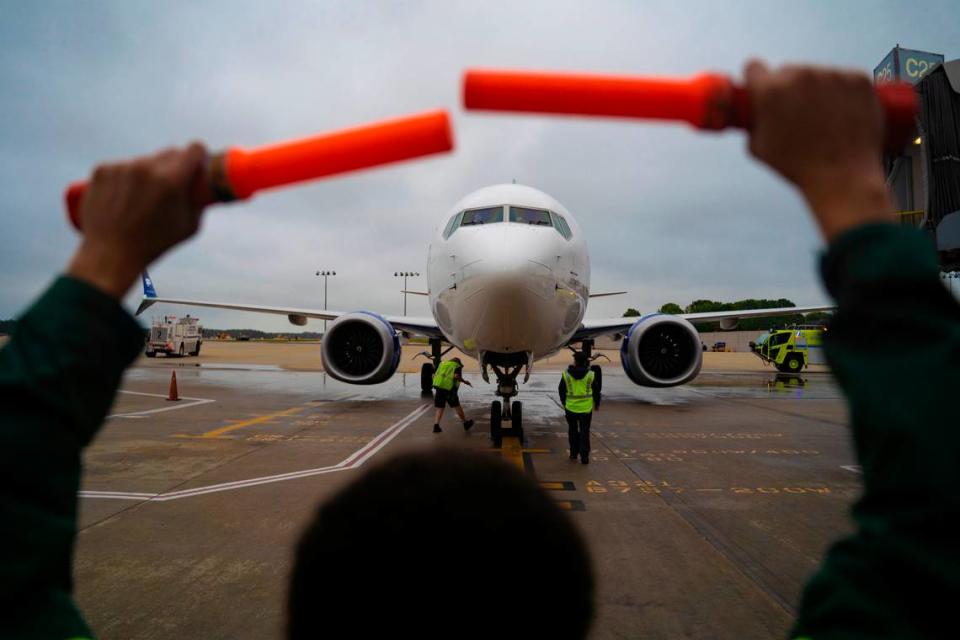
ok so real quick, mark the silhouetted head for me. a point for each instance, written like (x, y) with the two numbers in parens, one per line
(457, 360)
(580, 359)
(441, 544)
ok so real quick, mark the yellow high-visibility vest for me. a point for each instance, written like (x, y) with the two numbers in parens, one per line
(443, 378)
(579, 393)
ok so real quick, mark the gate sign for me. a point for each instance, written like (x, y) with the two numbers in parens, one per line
(906, 65)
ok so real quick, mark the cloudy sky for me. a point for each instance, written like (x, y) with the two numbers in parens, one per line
(669, 214)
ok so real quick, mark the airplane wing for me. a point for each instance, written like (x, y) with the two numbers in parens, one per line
(595, 328)
(297, 315)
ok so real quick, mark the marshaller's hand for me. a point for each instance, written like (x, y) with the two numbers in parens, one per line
(822, 130)
(132, 213)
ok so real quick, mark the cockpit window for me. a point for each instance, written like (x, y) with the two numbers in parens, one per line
(779, 338)
(452, 225)
(487, 215)
(561, 225)
(526, 215)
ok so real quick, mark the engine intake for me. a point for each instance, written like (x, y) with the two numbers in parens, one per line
(360, 348)
(661, 351)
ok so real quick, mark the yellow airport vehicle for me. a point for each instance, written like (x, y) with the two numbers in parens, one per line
(791, 349)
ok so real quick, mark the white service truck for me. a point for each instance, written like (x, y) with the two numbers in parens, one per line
(175, 337)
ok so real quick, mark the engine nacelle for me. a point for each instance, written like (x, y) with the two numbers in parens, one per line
(360, 348)
(729, 324)
(661, 350)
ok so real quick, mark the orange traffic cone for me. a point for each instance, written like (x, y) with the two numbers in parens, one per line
(173, 387)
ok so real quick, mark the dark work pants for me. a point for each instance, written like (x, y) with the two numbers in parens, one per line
(579, 432)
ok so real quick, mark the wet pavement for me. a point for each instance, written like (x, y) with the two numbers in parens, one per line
(706, 506)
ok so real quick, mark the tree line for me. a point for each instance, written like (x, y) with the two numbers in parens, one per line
(255, 334)
(745, 324)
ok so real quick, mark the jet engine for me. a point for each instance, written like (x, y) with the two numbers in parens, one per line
(661, 350)
(360, 348)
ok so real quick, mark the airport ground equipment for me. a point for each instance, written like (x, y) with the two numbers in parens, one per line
(238, 173)
(708, 101)
(175, 336)
(790, 350)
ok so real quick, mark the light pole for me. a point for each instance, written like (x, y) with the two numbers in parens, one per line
(405, 275)
(325, 275)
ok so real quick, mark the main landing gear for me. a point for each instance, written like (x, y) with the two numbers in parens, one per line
(426, 370)
(586, 348)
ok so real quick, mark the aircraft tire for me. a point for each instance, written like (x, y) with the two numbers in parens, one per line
(597, 376)
(151, 354)
(496, 420)
(426, 378)
(517, 412)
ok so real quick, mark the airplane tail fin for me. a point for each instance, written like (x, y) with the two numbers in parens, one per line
(149, 294)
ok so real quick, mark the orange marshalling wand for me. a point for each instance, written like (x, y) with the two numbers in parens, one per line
(237, 173)
(707, 101)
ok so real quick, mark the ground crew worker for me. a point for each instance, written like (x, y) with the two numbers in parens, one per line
(446, 383)
(580, 397)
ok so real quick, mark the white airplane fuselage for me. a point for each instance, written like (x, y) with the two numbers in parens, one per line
(510, 286)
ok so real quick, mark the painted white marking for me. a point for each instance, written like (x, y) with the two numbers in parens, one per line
(855, 468)
(119, 495)
(353, 461)
(136, 414)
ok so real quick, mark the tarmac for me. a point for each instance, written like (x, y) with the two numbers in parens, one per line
(706, 507)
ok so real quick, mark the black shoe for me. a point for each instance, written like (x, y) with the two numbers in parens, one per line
(573, 456)
(436, 428)
(584, 460)
(467, 425)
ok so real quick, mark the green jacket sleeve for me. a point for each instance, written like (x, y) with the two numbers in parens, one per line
(59, 372)
(894, 347)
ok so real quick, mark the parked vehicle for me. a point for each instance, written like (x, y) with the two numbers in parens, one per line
(791, 349)
(175, 337)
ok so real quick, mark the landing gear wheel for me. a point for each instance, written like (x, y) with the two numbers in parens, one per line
(793, 364)
(496, 419)
(517, 412)
(151, 354)
(597, 377)
(426, 378)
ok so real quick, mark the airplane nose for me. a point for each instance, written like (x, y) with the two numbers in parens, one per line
(497, 255)
(508, 297)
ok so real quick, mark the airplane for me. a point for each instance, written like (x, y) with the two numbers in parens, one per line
(508, 276)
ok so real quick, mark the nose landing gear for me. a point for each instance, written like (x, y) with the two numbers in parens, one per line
(505, 410)
(500, 411)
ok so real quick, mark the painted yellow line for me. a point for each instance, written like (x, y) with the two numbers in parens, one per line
(217, 433)
(552, 486)
(571, 505)
(512, 452)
